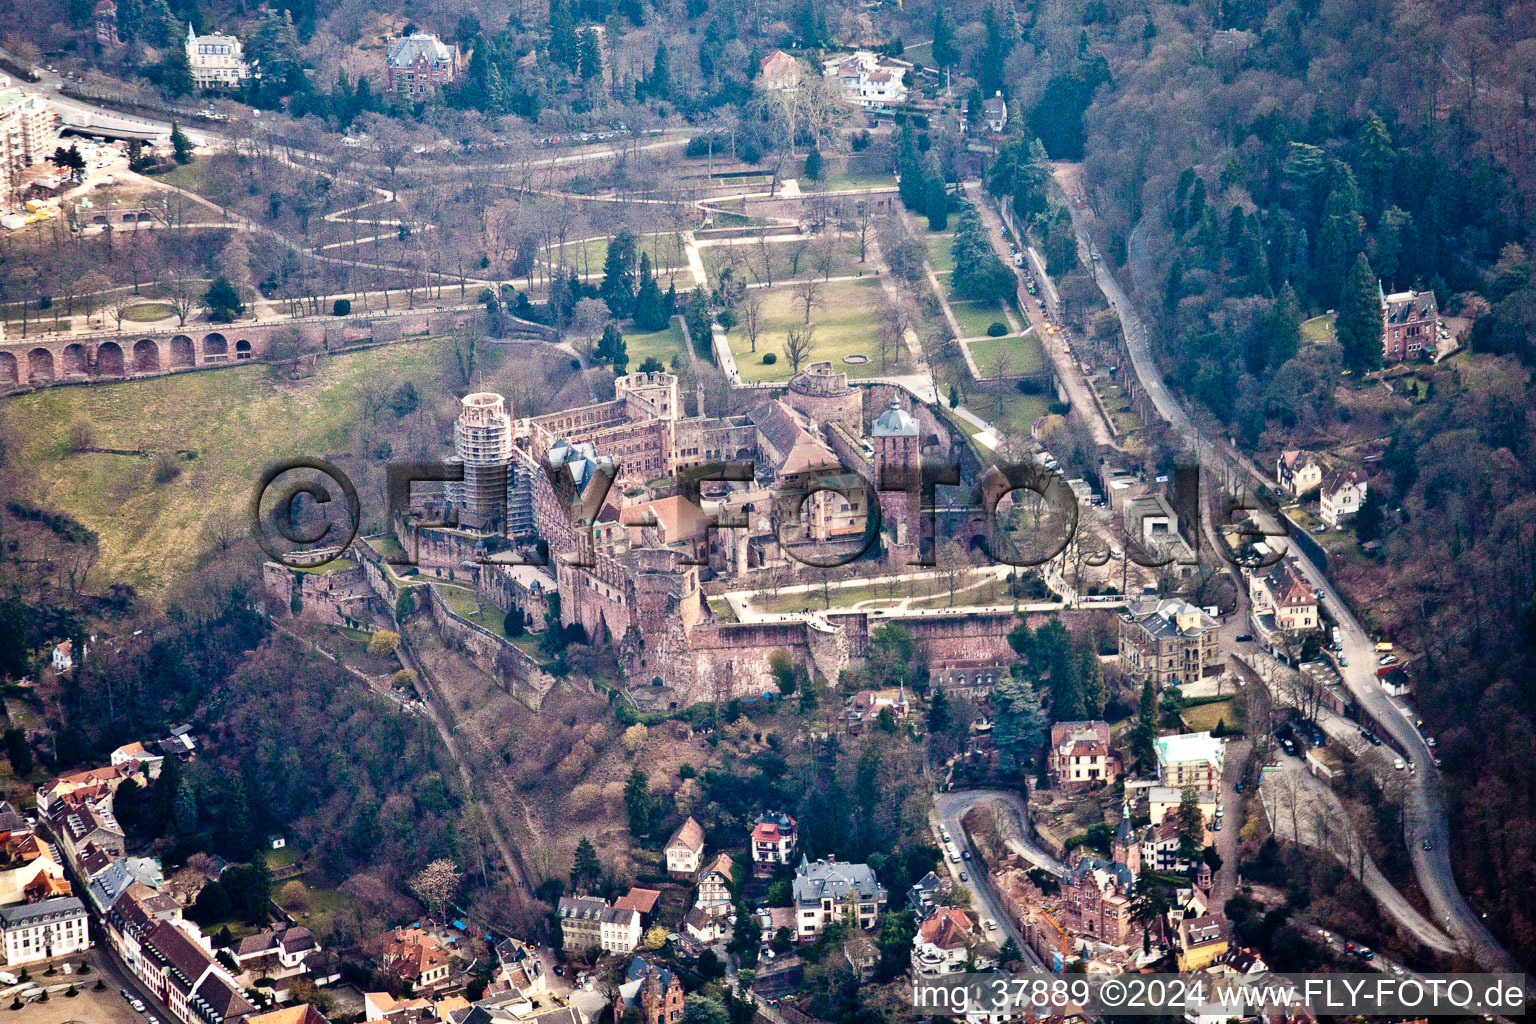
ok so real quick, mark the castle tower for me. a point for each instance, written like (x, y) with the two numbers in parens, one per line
(1125, 848)
(482, 441)
(898, 456)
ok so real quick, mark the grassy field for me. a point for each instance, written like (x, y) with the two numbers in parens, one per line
(664, 345)
(321, 908)
(931, 592)
(845, 324)
(1319, 330)
(148, 312)
(467, 605)
(844, 180)
(1203, 717)
(976, 317)
(1009, 411)
(238, 420)
(939, 254)
(1024, 354)
(782, 262)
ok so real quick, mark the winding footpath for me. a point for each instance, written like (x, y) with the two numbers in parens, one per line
(1425, 807)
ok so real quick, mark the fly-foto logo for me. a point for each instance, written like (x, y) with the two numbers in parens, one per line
(1027, 515)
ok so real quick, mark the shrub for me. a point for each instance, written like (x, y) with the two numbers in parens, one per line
(1059, 408)
(166, 468)
(341, 307)
(769, 358)
(997, 330)
(82, 435)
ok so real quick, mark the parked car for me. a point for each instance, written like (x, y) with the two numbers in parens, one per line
(1217, 826)
(1289, 746)
(1343, 661)
(1245, 638)
(1365, 953)
(1397, 763)
(990, 925)
(965, 854)
(964, 877)
(1431, 741)
(1387, 659)
(1428, 844)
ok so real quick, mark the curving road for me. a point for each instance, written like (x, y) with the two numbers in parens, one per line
(1425, 806)
(949, 808)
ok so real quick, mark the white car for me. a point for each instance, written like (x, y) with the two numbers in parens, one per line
(138, 1005)
(990, 925)
(1397, 763)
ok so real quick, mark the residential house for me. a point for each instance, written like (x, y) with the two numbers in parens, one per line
(135, 756)
(1166, 799)
(94, 781)
(85, 824)
(1080, 755)
(415, 66)
(412, 955)
(303, 1014)
(1096, 898)
(779, 72)
(581, 922)
(655, 991)
(862, 956)
(685, 850)
(1410, 325)
(618, 930)
(865, 707)
(705, 928)
(1160, 847)
(175, 965)
(34, 874)
(43, 930)
(275, 952)
(772, 841)
(641, 901)
(1201, 941)
(923, 898)
(872, 81)
(180, 742)
(942, 943)
(1168, 641)
(1298, 472)
(1343, 492)
(1281, 604)
(994, 110)
(218, 61)
(64, 656)
(831, 890)
(519, 969)
(1190, 759)
(715, 887)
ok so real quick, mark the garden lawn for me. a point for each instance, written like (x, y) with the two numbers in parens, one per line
(467, 605)
(782, 262)
(148, 312)
(1319, 330)
(940, 254)
(847, 323)
(1025, 355)
(843, 181)
(1204, 717)
(1009, 411)
(151, 533)
(663, 344)
(976, 317)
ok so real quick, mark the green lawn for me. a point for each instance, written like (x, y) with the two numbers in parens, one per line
(1009, 411)
(1318, 330)
(467, 605)
(844, 180)
(148, 312)
(1203, 717)
(939, 252)
(976, 317)
(776, 262)
(321, 908)
(664, 345)
(153, 533)
(1024, 354)
(846, 323)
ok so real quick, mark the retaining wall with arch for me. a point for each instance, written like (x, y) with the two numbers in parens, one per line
(27, 364)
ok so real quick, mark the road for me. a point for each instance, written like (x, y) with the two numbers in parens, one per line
(948, 809)
(1425, 803)
(1067, 370)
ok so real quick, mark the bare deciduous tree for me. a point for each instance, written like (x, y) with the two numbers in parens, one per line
(798, 344)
